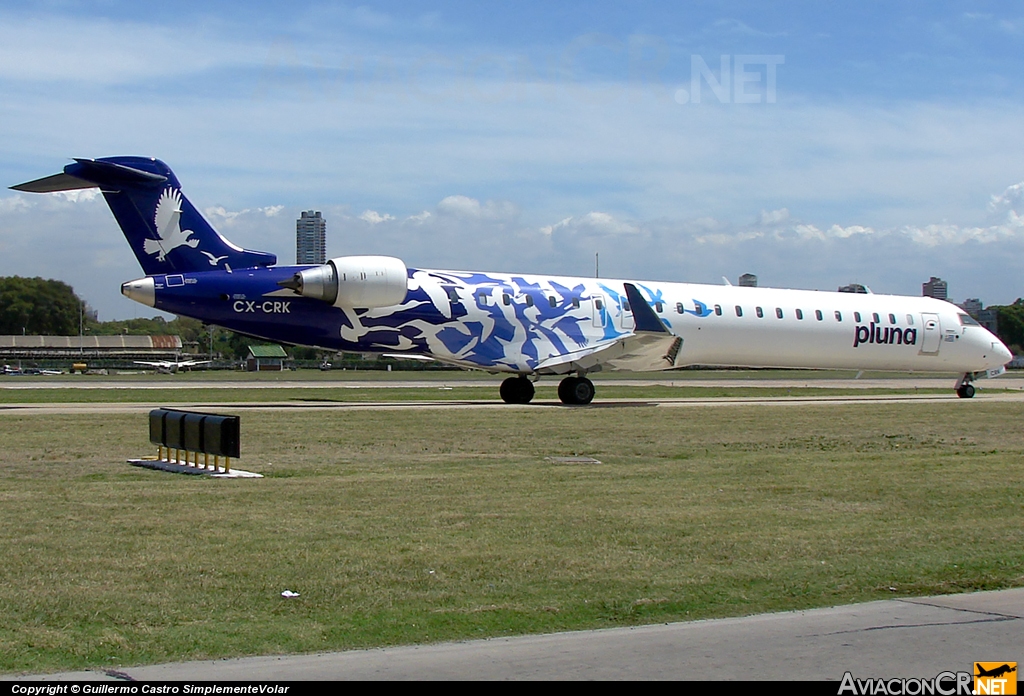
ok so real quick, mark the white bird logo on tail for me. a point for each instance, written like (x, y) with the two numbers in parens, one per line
(170, 235)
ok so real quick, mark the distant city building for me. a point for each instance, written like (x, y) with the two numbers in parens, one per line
(854, 288)
(989, 318)
(972, 306)
(748, 280)
(935, 287)
(311, 238)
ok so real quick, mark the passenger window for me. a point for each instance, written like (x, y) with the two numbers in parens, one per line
(658, 306)
(552, 301)
(778, 312)
(598, 304)
(575, 303)
(874, 318)
(625, 306)
(453, 295)
(739, 311)
(799, 314)
(529, 300)
(910, 319)
(506, 299)
(482, 299)
(718, 310)
(892, 318)
(679, 307)
(759, 312)
(839, 316)
(856, 317)
(817, 314)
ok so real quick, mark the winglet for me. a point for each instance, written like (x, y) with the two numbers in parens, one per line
(644, 316)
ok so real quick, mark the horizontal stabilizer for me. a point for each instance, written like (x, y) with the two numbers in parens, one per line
(57, 182)
(87, 173)
(110, 174)
(164, 229)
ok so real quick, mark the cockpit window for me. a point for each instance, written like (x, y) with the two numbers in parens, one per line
(967, 320)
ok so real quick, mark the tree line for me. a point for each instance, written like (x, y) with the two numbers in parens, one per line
(42, 307)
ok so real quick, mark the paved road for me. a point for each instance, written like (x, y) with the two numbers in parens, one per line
(791, 401)
(897, 638)
(809, 381)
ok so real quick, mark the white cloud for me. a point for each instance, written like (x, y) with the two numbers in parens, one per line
(593, 223)
(219, 213)
(375, 218)
(773, 217)
(80, 195)
(471, 208)
(91, 50)
(12, 203)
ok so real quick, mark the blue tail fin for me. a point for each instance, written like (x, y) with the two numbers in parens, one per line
(166, 232)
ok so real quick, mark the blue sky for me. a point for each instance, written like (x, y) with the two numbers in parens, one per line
(830, 143)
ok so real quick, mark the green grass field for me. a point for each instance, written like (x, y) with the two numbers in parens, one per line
(456, 392)
(407, 526)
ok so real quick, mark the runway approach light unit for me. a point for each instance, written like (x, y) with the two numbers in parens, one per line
(526, 326)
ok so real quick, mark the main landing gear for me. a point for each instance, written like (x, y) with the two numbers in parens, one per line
(964, 388)
(517, 390)
(576, 391)
(572, 391)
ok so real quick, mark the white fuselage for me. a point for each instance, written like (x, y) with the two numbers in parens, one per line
(725, 325)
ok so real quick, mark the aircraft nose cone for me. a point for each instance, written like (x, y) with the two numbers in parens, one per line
(142, 291)
(1001, 352)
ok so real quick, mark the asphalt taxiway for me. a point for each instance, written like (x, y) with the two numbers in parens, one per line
(321, 404)
(900, 638)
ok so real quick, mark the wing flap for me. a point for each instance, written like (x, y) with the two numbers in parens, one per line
(637, 352)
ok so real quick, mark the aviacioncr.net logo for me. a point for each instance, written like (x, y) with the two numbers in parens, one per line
(943, 684)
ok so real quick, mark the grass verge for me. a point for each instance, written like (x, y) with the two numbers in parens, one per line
(412, 526)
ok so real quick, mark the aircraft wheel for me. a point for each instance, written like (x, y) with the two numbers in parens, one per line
(517, 390)
(576, 391)
(966, 391)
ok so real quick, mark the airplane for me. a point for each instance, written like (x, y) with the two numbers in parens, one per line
(8, 370)
(995, 671)
(170, 367)
(525, 326)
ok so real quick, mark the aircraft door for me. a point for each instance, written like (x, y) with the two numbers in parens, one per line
(600, 311)
(932, 333)
(626, 315)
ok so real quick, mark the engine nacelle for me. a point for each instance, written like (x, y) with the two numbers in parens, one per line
(354, 281)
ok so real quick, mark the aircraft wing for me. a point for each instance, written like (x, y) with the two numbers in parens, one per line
(408, 356)
(651, 346)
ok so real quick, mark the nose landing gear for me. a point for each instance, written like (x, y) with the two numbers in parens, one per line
(964, 388)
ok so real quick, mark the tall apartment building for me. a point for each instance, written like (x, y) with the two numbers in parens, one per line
(935, 287)
(311, 238)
